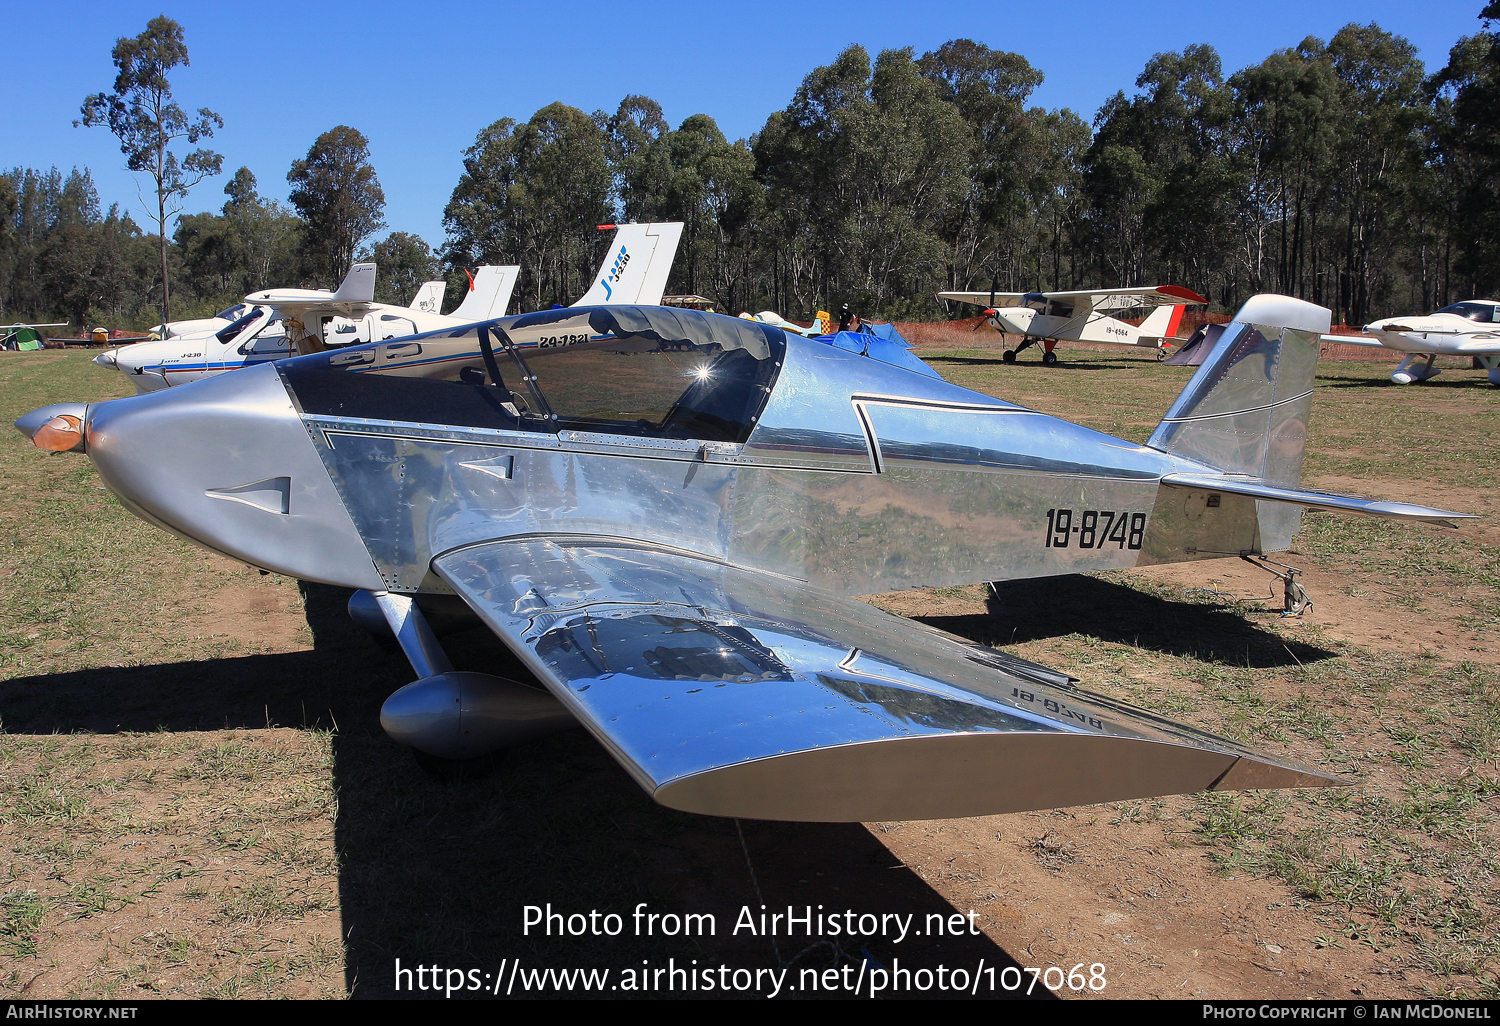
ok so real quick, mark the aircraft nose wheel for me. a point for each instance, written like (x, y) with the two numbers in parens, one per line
(1050, 359)
(1009, 356)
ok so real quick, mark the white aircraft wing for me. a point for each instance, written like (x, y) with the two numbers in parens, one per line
(1355, 340)
(1484, 344)
(1096, 299)
(636, 266)
(989, 300)
(1450, 343)
(354, 296)
(731, 692)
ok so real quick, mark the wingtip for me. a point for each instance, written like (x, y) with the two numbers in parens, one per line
(1178, 292)
(1258, 774)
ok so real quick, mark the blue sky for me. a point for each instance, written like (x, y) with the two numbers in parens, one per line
(420, 80)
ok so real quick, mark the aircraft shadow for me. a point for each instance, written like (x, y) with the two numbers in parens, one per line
(1384, 381)
(1053, 607)
(436, 867)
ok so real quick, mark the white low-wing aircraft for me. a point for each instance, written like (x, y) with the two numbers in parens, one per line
(284, 322)
(1470, 328)
(1080, 316)
(428, 299)
(201, 325)
(277, 323)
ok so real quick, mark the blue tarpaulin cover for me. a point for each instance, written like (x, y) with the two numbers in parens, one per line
(880, 342)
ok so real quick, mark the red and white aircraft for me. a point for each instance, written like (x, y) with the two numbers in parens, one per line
(1051, 317)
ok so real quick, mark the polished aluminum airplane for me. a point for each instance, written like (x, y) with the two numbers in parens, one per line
(1470, 328)
(1051, 317)
(666, 514)
(276, 323)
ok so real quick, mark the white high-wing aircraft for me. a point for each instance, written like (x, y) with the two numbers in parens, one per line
(1051, 317)
(1471, 328)
(282, 322)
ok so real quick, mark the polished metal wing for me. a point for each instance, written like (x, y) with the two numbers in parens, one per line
(732, 692)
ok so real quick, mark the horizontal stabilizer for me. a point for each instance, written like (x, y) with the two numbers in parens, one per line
(727, 692)
(1313, 500)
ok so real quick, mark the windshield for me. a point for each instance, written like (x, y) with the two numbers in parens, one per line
(650, 371)
(1487, 313)
(234, 312)
(233, 331)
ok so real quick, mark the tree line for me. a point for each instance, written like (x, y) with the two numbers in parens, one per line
(1337, 171)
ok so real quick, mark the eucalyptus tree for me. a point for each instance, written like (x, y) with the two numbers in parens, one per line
(267, 234)
(862, 165)
(1161, 175)
(1466, 143)
(1287, 113)
(707, 183)
(336, 191)
(640, 163)
(1377, 157)
(1007, 150)
(142, 114)
(404, 261)
(534, 194)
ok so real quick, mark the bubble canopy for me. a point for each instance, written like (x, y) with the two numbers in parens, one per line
(644, 371)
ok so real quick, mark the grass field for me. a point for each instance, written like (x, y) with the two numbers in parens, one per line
(198, 799)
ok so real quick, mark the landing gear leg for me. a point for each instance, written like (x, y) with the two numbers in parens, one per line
(456, 716)
(1408, 372)
(1295, 601)
(1026, 343)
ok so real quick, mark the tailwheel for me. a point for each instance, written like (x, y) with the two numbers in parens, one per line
(1009, 356)
(1050, 359)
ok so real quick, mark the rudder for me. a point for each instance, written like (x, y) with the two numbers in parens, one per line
(489, 293)
(1162, 323)
(1246, 409)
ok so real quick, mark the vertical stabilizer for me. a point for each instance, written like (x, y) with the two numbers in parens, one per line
(489, 294)
(636, 266)
(1246, 409)
(358, 285)
(429, 297)
(1162, 323)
